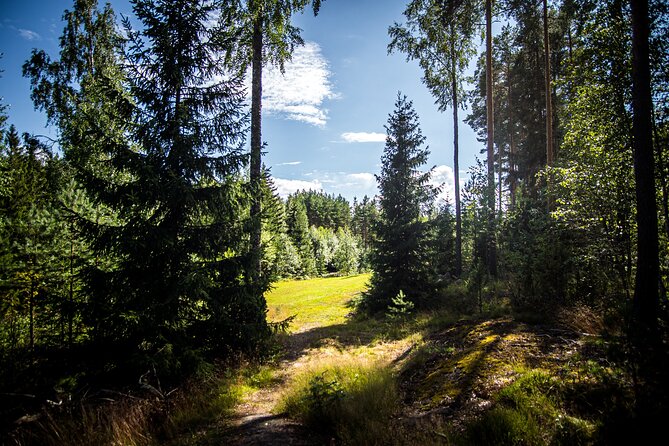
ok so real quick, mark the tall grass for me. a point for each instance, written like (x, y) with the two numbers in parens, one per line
(531, 411)
(350, 398)
(135, 421)
(126, 422)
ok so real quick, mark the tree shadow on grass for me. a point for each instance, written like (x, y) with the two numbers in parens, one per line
(355, 332)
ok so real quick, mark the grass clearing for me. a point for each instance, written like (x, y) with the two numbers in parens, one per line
(318, 302)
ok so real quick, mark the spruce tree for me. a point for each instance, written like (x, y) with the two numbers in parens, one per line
(181, 237)
(400, 252)
(155, 133)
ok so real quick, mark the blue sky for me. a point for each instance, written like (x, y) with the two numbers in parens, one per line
(323, 120)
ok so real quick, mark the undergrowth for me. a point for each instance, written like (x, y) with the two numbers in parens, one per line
(351, 399)
(134, 420)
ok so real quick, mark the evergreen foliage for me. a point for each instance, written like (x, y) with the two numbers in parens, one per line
(157, 145)
(400, 253)
(440, 35)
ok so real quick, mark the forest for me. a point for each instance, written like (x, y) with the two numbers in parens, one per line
(138, 250)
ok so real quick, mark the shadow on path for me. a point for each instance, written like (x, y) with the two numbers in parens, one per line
(267, 429)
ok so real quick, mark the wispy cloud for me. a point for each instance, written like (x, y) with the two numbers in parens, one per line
(363, 137)
(289, 163)
(300, 92)
(28, 34)
(442, 176)
(286, 187)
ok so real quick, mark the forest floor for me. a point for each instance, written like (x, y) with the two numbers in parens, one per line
(450, 372)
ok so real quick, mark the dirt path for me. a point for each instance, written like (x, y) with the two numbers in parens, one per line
(254, 423)
(451, 375)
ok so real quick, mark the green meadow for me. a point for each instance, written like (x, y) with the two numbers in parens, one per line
(315, 302)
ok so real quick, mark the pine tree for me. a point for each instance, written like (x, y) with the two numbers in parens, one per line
(262, 33)
(400, 254)
(491, 247)
(33, 248)
(83, 94)
(158, 147)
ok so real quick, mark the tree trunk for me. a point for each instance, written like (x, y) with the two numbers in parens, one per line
(569, 40)
(491, 248)
(646, 296)
(500, 163)
(31, 316)
(256, 146)
(662, 175)
(512, 141)
(70, 312)
(549, 104)
(456, 169)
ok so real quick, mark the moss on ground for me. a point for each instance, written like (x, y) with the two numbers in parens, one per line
(504, 382)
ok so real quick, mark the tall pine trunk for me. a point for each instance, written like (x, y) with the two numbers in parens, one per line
(512, 141)
(549, 102)
(646, 296)
(456, 169)
(491, 248)
(256, 147)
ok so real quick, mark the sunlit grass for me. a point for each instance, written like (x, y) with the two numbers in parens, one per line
(349, 397)
(314, 302)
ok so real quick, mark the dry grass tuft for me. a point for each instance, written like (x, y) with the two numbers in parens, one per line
(582, 319)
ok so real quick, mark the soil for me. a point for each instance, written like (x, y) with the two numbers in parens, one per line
(253, 422)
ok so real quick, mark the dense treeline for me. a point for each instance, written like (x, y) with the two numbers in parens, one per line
(571, 98)
(316, 234)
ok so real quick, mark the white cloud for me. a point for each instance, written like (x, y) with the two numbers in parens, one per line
(29, 35)
(359, 184)
(347, 184)
(299, 93)
(286, 187)
(443, 176)
(289, 163)
(363, 137)
(365, 180)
